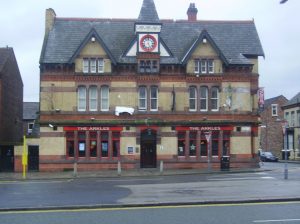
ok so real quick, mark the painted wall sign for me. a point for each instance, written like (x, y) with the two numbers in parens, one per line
(93, 128)
(205, 128)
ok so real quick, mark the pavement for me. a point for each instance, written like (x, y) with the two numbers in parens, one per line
(170, 187)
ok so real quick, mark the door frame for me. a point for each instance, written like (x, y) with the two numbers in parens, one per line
(148, 159)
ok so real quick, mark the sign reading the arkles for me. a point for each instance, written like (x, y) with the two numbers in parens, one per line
(205, 128)
(93, 128)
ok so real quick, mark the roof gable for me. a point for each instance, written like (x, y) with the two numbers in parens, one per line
(148, 13)
(92, 34)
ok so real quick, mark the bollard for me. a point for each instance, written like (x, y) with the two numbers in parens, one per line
(75, 169)
(119, 168)
(161, 167)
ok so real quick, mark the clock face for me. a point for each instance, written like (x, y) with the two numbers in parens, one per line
(148, 43)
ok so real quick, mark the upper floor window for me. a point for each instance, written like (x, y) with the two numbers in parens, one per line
(203, 98)
(215, 99)
(93, 93)
(193, 98)
(93, 65)
(30, 128)
(293, 118)
(274, 109)
(204, 66)
(104, 98)
(81, 95)
(143, 98)
(153, 98)
(298, 117)
(148, 66)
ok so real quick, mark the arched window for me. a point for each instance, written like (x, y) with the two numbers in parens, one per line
(193, 98)
(214, 99)
(104, 98)
(142, 98)
(154, 98)
(81, 96)
(203, 98)
(93, 95)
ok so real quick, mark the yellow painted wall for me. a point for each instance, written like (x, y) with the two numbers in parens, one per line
(125, 142)
(168, 146)
(255, 66)
(240, 145)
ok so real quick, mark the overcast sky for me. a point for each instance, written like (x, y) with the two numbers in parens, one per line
(22, 25)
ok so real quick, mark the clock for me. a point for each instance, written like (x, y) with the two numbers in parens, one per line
(148, 43)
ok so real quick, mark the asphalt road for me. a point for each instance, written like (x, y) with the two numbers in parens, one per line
(97, 192)
(208, 214)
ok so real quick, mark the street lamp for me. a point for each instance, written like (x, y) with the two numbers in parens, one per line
(284, 125)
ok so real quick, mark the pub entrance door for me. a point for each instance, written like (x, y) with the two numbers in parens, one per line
(7, 158)
(148, 149)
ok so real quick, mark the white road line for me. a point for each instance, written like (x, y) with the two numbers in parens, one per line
(276, 220)
(34, 182)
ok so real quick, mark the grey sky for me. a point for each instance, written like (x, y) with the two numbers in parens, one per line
(22, 27)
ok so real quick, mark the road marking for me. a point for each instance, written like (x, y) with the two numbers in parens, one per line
(128, 180)
(267, 177)
(68, 210)
(276, 220)
(35, 182)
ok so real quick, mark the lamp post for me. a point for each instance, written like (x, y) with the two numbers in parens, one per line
(284, 125)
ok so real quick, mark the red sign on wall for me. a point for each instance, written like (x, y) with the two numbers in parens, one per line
(93, 128)
(205, 128)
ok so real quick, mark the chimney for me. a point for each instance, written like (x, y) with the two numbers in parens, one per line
(192, 13)
(50, 18)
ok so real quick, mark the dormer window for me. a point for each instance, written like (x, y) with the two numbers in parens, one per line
(93, 65)
(204, 66)
(148, 66)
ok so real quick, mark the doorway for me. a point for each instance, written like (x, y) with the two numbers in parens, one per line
(33, 158)
(7, 158)
(148, 149)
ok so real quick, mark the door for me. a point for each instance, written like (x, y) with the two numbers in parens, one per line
(148, 149)
(33, 158)
(7, 158)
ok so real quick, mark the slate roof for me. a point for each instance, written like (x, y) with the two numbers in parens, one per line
(295, 100)
(274, 100)
(235, 39)
(30, 110)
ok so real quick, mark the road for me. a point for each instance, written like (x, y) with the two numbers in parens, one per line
(191, 214)
(99, 192)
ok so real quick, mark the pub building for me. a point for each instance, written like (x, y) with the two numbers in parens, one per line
(140, 91)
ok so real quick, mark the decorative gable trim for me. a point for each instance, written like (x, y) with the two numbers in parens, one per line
(204, 35)
(92, 34)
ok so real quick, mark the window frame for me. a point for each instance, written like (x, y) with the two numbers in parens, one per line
(217, 99)
(203, 66)
(155, 98)
(194, 99)
(274, 106)
(204, 98)
(95, 98)
(85, 65)
(100, 65)
(144, 88)
(104, 98)
(210, 66)
(81, 99)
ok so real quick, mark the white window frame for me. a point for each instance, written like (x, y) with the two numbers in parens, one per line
(81, 98)
(210, 66)
(194, 99)
(85, 65)
(154, 98)
(204, 98)
(100, 65)
(93, 65)
(215, 98)
(144, 98)
(104, 98)
(93, 98)
(29, 130)
(203, 66)
(274, 110)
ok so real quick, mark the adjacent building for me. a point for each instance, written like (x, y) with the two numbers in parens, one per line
(140, 91)
(292, 115)
(272, 119)
(11, 108)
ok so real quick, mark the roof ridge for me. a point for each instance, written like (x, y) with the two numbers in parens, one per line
(94, 19)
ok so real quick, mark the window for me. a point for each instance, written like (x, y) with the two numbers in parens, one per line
(104, 144)
(100, 65)
(215, 143)
(287, 117)
(210, 65)
(148, 66)
(81, 144)
(204, 66)
(93, 144)
(192, 145)
(93, 98)
(85, 65)
(142, 98)
(104, 98)
(116, 143)
(203, 98)
(293, 118)
(81, 98)
(30, 128)
(298, 117)
(181, 143)
(215, 99)
(70, 144)
(193, 98)
(274, 110)
(226, 143)
(93, 65)
(203, 145)
(153, 98)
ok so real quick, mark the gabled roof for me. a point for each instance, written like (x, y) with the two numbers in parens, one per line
(294, 101)
(274, 100)
(92, 33)
(204, 35)
(148, 13)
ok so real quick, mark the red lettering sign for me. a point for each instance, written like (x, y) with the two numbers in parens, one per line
(93, 128)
